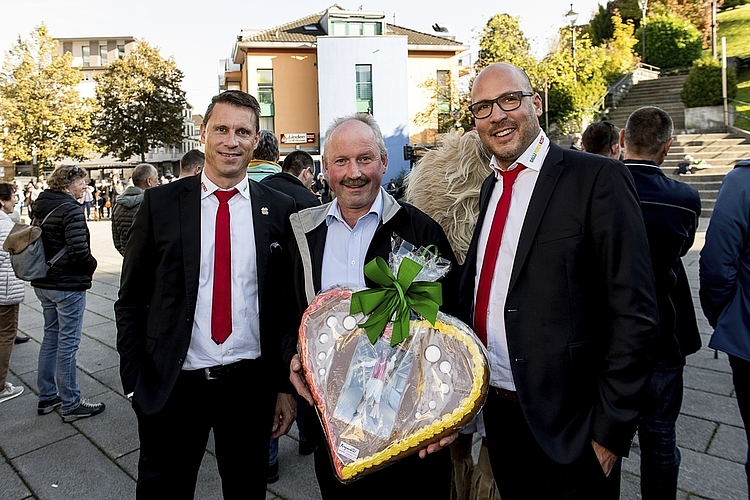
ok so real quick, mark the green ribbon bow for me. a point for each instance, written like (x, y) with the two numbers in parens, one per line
(395, 299)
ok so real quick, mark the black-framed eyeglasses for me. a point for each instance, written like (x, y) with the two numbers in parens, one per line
(507, 102)
(614, 136)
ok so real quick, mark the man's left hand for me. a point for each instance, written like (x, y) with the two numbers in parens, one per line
(607, 459)
(286, 412)
(438, 446)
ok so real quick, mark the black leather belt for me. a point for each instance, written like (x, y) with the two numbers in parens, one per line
(222, 371)
(505, 394)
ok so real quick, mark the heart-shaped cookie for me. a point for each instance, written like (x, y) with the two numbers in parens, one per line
(379, 403)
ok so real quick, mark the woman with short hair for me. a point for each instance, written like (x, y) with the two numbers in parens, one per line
(63, 293)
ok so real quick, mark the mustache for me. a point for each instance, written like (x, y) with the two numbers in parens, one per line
(358, 182)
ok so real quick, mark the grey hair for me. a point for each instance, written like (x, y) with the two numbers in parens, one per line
(365, 118)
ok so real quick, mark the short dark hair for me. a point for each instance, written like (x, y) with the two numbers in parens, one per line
(296, 161)
(268, 147)
(65, 176)
(235, 98)
(7, 191)
(191, 159)
(599, 137)
(141, 174)
(647, 131)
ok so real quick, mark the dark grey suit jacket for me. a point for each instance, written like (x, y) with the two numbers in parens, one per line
(159, 288)
(581, 311)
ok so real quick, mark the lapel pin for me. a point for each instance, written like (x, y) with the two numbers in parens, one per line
(264, 210)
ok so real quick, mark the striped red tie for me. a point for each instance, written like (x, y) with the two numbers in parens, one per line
(481, 306)
(221, 307)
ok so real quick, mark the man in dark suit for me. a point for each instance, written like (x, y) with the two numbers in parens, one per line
(200, 316)
(563, 297)
(670, 212)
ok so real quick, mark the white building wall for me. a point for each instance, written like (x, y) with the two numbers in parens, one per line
(337, 58)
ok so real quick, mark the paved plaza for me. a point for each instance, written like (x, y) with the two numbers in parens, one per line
(96, 458)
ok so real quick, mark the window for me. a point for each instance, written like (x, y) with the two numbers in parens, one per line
(364, 88)
(85, 55)
(265, 99)
(102, 55)
(355, 28)
(443, 100)
(120, 51)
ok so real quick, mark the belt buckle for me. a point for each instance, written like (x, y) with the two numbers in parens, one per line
(207, 372)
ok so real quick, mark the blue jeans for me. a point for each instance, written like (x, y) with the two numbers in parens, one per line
(63, 321)
(660, 458)
(273, 451)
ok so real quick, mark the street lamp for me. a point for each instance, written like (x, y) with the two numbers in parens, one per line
(643, 4)
(572, 18)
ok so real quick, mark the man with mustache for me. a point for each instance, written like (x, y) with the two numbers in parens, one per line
(558, 284)
(334, 242)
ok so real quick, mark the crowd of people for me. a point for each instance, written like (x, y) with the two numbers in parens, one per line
(566, 262)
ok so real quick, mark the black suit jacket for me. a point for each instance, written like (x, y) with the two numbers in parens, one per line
(670, 213)
(159, 288)
(580, 314)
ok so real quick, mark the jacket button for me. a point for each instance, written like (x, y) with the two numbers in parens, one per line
(180, 361)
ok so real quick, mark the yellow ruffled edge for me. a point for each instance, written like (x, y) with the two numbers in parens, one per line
(449, 421)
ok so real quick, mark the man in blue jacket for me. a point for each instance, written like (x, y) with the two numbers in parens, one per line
(725, 283)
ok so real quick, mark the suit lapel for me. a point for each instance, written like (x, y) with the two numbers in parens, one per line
(545, 186)
(190, 235)
(262, 228)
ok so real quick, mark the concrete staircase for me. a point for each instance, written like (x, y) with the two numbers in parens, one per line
(663, 92)
(719, 151)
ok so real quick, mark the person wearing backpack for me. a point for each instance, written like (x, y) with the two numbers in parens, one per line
(63, 293)
(11, 294)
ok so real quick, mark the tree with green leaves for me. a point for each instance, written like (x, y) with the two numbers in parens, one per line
(140, 104)
(41, 111)
(671, 42)
(502, 40)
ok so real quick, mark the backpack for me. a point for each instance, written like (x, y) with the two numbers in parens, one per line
(24, 244)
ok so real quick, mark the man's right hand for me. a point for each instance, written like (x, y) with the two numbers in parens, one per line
(298, 379)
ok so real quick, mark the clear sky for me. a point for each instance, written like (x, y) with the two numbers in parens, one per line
(198, 34)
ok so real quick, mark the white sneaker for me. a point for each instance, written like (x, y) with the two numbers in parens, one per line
(10, 392)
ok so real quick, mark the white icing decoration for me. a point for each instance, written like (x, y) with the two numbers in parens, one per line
(332, 321)
(323, 339)
(350, 323)
(432, 405)
(445, 367)
(321, 356)
(322, 372)
(432, 353)
(445, 389)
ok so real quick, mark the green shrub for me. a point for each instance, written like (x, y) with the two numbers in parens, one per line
(671, 42)
(733, 3)
(703, 85)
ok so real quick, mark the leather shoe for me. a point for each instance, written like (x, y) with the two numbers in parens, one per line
(306, 448)
(20, 339)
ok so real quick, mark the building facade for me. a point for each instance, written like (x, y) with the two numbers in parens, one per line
(336, 62)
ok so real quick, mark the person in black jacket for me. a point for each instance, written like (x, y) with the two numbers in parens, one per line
(670, 213)
(63, 293)
(295, 179)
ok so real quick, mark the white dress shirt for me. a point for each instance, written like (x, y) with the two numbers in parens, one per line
(346, 247)
(497, 343)
(244, 341)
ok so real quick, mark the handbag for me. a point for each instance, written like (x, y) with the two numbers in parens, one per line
(24, 244)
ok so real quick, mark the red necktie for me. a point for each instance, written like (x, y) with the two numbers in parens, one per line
(481, 306)
(221, 308)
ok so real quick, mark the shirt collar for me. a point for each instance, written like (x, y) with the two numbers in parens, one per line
(645, 163)
(334, 211)
(208, 187)
(532, 158)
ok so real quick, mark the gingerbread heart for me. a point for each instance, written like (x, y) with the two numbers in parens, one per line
(379, 403)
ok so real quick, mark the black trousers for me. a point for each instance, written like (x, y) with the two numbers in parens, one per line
(741, 379)
(409, 478)
(524, 471)
(237, 407)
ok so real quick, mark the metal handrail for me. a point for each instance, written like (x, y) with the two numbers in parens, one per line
(620, 88)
